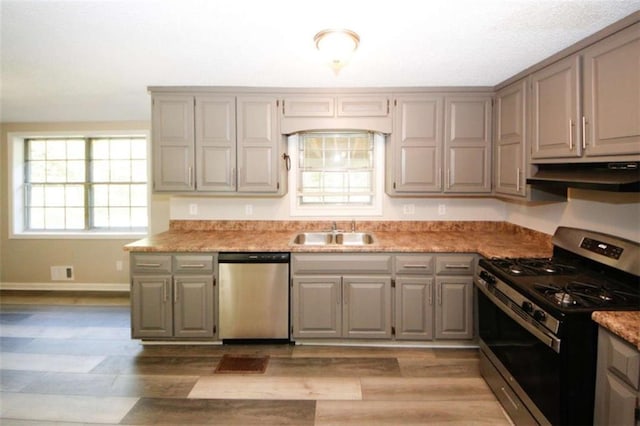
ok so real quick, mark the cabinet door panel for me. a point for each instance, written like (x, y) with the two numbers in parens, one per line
(366, 307)
(511, 139)
(468, 144)
(152, 314)
(612, 94)
(417, 142)
(454, 308)
(257, 144)
(363, 106)
(414, 308)
(556, 110)
(317, 307)
(216, 142)
(173, 143)
(193, 306)
(309, 106)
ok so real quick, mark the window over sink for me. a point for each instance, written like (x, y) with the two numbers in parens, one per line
(336, 173)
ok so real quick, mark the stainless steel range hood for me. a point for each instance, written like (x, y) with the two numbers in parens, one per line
(616, 177)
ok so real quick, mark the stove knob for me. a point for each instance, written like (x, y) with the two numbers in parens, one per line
(527, 306)
(539, 316)
(487, 277)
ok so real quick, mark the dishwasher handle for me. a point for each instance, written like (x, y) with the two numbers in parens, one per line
(252, 257)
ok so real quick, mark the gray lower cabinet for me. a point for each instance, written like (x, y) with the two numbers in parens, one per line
(414, 296)
(341, 296)
(617, 381)
(454, 296)
(172, 296)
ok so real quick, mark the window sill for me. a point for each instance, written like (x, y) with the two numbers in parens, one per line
(78, 235)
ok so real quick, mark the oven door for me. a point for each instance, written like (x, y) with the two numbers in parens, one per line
(533, 364)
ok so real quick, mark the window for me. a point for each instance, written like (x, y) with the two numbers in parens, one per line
(337, 173)
(78, 184)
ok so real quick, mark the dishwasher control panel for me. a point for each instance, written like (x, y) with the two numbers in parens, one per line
(263, 257)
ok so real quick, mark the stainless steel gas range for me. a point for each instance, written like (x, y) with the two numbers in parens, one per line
(538, 342)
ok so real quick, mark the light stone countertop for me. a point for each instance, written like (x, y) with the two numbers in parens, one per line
(489, 239)
(624, 324)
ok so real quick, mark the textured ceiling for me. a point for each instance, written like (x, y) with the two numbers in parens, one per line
(93, 60)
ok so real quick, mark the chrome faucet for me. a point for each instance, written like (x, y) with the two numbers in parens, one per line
(353, 225)
(334, 227)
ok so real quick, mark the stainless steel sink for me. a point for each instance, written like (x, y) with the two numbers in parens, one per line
(314, 238)
(354, 238)
(339, 238)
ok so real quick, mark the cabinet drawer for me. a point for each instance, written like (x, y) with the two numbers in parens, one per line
(341, 263)
(455, 265)
(151, 263)
(193, 263)
(623, 360)
(414, 264)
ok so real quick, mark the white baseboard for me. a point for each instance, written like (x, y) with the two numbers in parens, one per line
(66, 286)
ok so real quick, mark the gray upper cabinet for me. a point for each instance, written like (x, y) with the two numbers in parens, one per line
(215, 125)
(612, 95)
(440, 144)
(414, 156)
(332, 111)
(555, 110)
(172, 133)
(467, 144)
(585, 107)
(216, 143)
(511, 139)
(258, 144)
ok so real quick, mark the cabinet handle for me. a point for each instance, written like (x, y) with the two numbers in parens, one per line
(147, 265)
(345, 294)
(429, 294)
(584, 132)
(518, 179)
(415, 266)
(456, 266)
(164, 290)
(515, 405)
(175, 291)
(192, 266)
(570, 135)
(439, 294)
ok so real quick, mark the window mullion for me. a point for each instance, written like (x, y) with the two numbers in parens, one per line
(88, 216)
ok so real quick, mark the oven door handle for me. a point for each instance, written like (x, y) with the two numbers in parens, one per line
(551, 341)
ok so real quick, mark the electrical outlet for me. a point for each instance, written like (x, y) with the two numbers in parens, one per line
(62, 273)
(193, 209)
(408, 209)
(442, 209)
(248, 209)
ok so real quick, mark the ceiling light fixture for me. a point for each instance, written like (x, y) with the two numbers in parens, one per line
(336, 46)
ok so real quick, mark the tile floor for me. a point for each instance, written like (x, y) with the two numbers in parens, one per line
(70, 360)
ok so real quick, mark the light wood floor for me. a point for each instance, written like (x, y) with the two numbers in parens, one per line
(69, 359)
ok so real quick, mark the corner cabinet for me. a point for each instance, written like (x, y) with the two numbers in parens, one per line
(617, 381)
(441, 143)
(511, 139)
(172, 296)
(216, 143)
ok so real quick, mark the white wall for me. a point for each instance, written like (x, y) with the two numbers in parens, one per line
(610, 213)
(221, 208)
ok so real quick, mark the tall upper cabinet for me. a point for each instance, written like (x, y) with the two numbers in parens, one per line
(216, 143)
(511, 139)
(440, 143)
(585, 107)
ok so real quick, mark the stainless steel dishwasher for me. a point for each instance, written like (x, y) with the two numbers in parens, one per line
(254, 296)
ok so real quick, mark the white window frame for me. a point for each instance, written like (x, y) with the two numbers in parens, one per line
(16, 186)
(296, 209)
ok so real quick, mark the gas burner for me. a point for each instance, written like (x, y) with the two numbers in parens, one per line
(533, 266)
(583, 294)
